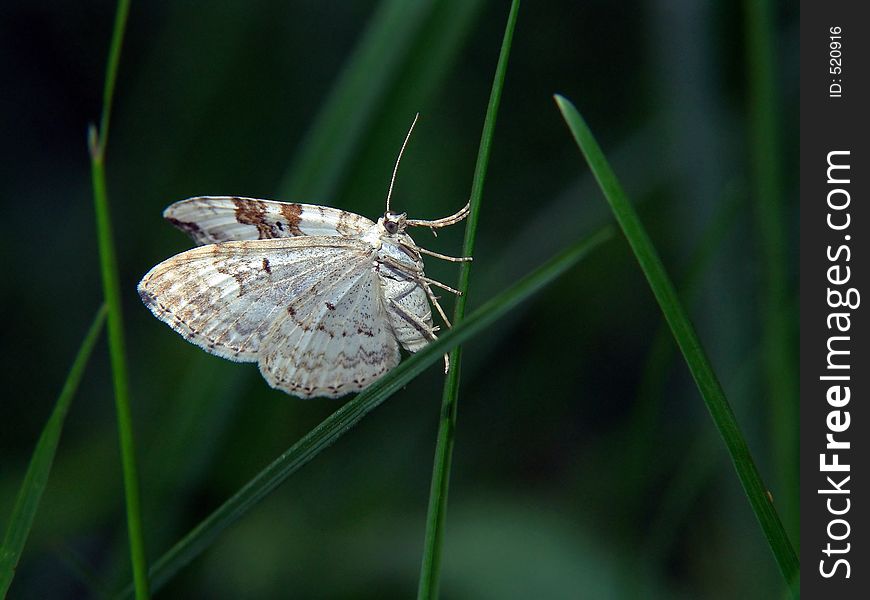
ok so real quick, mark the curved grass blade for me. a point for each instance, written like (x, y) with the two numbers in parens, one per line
(36, 478)
(337, 424)
(98, 140)
(436, 512)
(687, 339)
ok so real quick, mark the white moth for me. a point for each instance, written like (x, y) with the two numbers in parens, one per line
(319, 298)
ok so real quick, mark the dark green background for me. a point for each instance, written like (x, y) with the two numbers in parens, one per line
(576, 472)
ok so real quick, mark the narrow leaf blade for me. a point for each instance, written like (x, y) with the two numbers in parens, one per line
(689, 343)
(437, 509)
(98, 141)
(36, 478)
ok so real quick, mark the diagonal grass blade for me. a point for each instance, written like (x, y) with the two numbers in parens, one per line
(689, 343)
(337, 424)
(36, 478)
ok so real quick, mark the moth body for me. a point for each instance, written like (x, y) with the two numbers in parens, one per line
(320, 298)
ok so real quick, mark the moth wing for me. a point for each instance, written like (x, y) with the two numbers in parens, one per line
(225, 298)
(334, 341)
(213, 219)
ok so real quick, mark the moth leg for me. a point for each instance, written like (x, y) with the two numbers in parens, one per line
(414, 252)
(416, 274)
(422, 327)
(444, 221)
(434, 300)
(444, 256)
(425, 279)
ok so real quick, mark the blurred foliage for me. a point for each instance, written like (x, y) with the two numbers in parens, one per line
(546, 499)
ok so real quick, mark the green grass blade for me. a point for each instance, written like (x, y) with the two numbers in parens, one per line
(690, 345)
(111, 290)
(337, 424)
(36, 478)
(779, 360)
(358, 93)
(639, 437)
(121, 13)
(436, 512)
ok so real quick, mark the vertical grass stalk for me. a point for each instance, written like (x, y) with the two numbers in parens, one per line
(36, 478)
(690, 345)
(97, 140)
(435, 517)
(777, 341)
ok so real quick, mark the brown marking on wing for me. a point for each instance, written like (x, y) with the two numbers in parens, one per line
(343, 226)
(191, 229)
(303, 324)
(293, 214)
(243, 277)
(253, 212)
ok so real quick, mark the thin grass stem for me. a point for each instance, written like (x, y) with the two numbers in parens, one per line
(98, 139)
(435, 517)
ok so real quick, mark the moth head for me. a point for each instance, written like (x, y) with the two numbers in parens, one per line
(394, 222)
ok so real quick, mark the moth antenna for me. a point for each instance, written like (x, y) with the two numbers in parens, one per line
(396, 168)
